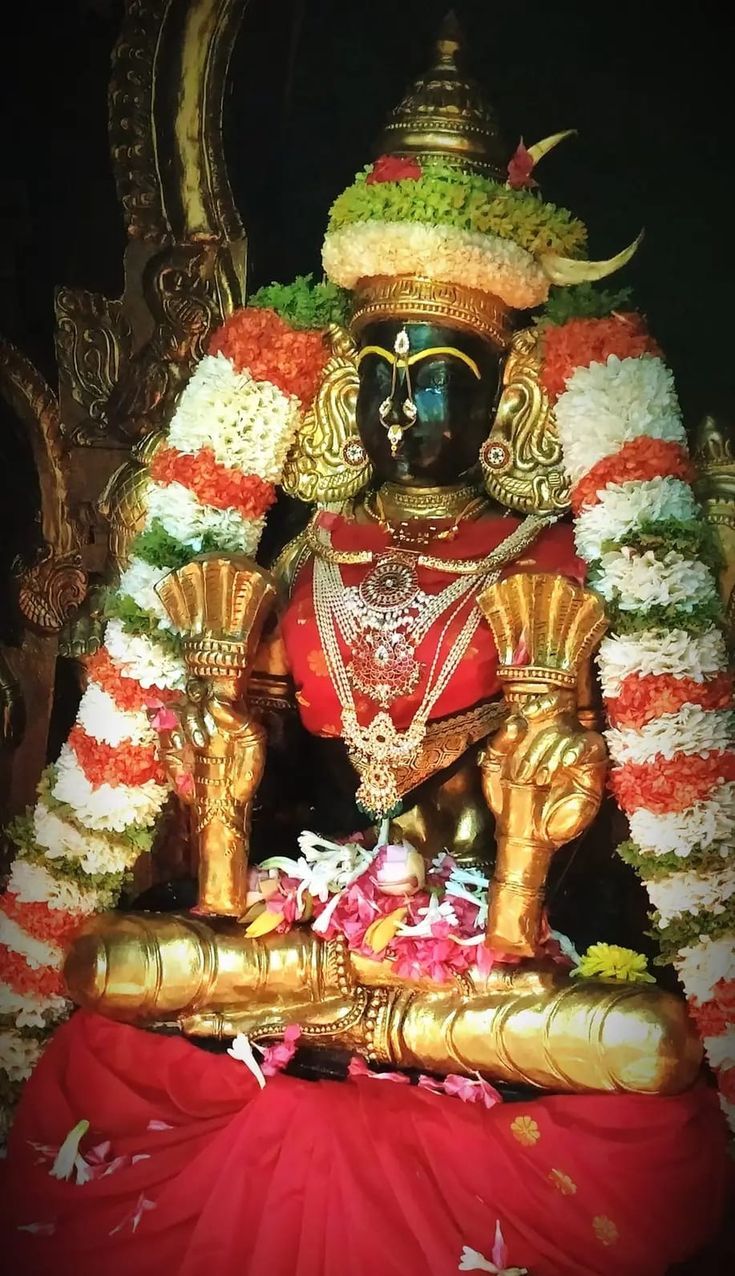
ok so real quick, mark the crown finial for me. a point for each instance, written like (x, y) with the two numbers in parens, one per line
(445, 116)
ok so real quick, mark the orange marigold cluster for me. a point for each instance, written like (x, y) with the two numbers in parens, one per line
(102, 763)
(580, 342)
(39, 981)
(666, 785)
(711, 1019)
(127, 693)
(641, 458)
(643, 698)
(271, 350)
(213, 483)
(52, 925)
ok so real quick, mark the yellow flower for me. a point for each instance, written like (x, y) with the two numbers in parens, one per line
(605, 1230)
(610, 961)
(562, 1181)
(525, 1130)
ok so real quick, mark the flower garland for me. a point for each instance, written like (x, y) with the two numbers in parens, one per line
(209, 488)
(385, 903)
(664, 665)
(400, 217)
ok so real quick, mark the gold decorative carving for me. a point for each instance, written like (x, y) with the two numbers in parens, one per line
(543, 774)
(51, 588)
(122, 501)
(319, 468)
(445, 116)
(522, 457)
(412, 297)
(131, 105)
(93, 342)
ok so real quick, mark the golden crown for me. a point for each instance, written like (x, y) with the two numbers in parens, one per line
(429, 301)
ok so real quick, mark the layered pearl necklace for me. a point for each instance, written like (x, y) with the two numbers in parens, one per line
(383, 621)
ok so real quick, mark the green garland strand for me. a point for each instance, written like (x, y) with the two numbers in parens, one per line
(446, 196)
(304, 304)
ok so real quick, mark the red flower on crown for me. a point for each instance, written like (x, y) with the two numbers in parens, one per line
(520, 167)
(394, 168)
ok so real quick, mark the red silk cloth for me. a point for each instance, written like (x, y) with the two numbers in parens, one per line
(353, 1178)
(474, 680)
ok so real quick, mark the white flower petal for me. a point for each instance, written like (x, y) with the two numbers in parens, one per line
(674, 652)
(692, 730)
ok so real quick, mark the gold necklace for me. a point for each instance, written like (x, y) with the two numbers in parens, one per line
(378, 751)
(321, 547)
(425, 502)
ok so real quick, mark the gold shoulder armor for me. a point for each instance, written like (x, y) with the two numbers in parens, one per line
(327, 464)
(521, 458)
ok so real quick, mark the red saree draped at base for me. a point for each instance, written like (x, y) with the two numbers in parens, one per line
(354, 1178)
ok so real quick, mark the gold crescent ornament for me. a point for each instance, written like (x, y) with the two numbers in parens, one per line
(571, 270)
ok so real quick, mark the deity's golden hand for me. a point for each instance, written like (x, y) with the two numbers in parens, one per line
(543, 776)
(213, 726)
(544, 747)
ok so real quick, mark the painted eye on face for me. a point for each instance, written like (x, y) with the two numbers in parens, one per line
(434, 378)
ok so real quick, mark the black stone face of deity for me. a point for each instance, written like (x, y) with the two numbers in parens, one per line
(450, 377)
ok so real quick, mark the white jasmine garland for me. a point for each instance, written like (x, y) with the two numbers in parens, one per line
(466, 257)
(101, 718)
(138, 581)
(94, 853)
(623, 506)
(37, 952)
(692, 730)
(31, 1010)
(692, 892)
(188, 521)
(248, 425)
(705, 963)
(18, 1054)
(144, 660)
(721, 1050)
(637, 582)
(729, 1111)
(708, 825)
(106, 806)
(674, 652)
(33, 884)
(609, 404)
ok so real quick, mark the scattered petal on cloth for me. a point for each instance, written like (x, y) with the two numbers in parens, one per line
(158, 1125)
(276, 1058)
(330, 1178)
(142, 1206)
(357, 1067)
(472, 1090)
(38, 1229)
(242, 1050)
(67, 1158)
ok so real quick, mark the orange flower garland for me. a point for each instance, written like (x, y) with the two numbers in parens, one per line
(642, 699)
(671, 784)
(271, 350)
(642, 458)
(26, 980)
(102, 763)
(127, 693)
(52, 925)
(580, 342)
(212, 483)
(711, 1019)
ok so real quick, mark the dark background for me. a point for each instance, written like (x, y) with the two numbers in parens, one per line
(649, 88)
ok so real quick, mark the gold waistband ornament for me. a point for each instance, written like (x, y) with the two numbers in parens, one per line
(215, 756)
(544, 774)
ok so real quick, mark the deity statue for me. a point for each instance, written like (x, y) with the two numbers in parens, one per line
(385, 730)
(439, 647)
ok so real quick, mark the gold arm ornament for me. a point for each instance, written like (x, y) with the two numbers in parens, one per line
(543, 775)
(216, 754)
